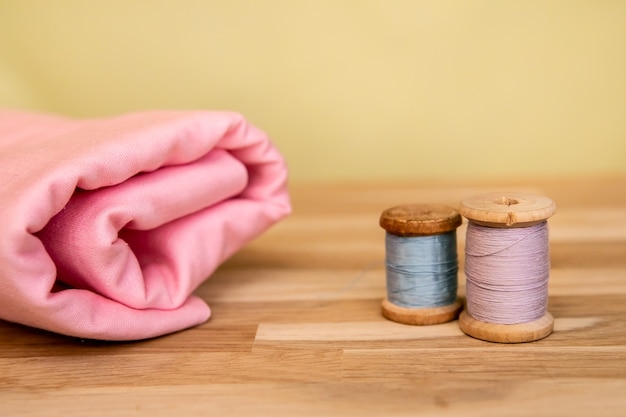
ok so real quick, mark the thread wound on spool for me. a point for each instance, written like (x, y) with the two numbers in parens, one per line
(421, 263)
(507, 267)
(421, 271)
(507, 273)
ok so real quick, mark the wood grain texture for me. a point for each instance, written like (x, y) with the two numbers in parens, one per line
(420, 219)
(507, 209)
(507, 333)
(297, 327)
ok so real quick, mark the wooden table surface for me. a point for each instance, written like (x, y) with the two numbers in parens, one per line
(297, 330)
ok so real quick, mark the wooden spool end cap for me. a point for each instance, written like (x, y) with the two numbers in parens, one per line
(506, 333)
(513, 209)
(420, 219)
(421, 316)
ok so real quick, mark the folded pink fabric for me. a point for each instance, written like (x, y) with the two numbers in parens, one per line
(109, 225)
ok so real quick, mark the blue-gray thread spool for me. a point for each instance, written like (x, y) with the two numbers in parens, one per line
(421, 264)
(421, 270)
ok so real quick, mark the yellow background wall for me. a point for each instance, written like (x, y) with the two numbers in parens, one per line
(348, 89)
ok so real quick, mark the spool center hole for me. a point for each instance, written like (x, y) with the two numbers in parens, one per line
(506, 201)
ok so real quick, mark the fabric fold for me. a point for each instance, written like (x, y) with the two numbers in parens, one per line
(110, 224)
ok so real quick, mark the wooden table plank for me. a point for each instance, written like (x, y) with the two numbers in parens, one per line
(297, 330)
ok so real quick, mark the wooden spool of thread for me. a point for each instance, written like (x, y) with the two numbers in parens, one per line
(507, 267)
(420, 291)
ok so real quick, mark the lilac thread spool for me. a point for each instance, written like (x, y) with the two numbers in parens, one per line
(428, 222)
(507, 267)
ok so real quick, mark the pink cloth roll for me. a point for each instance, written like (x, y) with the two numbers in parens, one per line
(107, 226)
